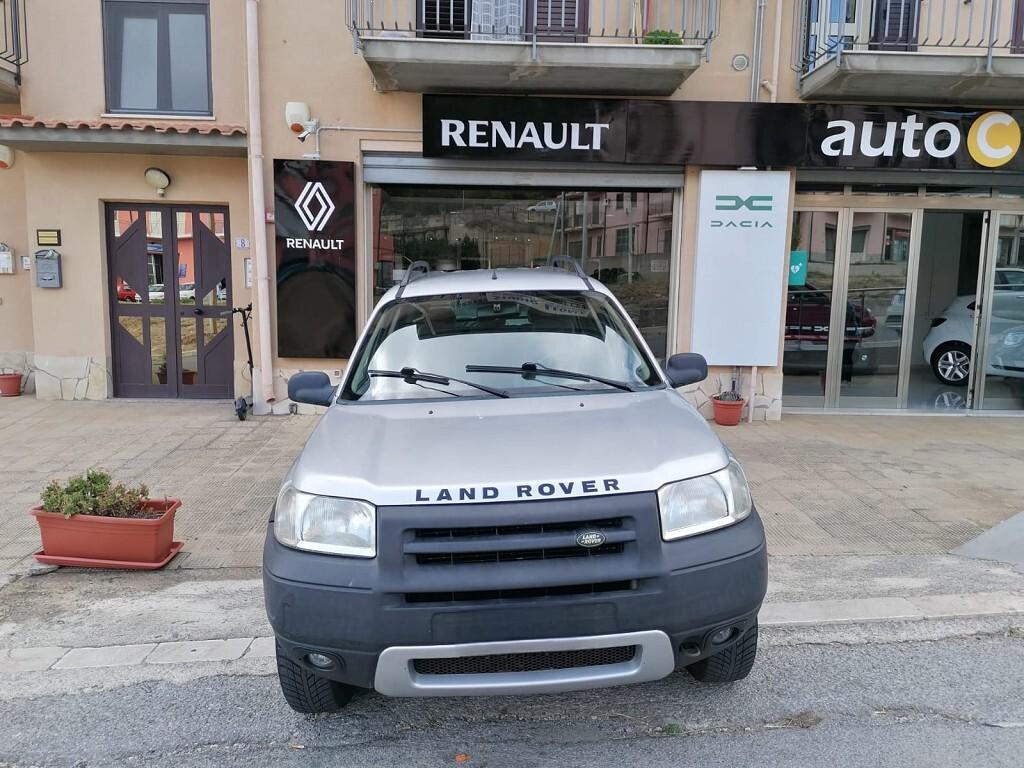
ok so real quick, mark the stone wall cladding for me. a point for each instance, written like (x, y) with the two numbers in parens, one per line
(72, 378)
(767, 393)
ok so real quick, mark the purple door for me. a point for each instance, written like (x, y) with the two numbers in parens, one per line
(170, 297)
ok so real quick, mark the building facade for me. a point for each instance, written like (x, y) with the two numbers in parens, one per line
(825, 197)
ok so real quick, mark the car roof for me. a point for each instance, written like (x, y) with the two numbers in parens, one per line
(503, 279)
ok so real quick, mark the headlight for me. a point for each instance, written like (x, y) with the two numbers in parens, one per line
(704, 503)
(325, 524)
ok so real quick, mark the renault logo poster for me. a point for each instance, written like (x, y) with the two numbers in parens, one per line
(314, 213)
(742, 260)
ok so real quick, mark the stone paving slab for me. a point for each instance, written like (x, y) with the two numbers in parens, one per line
(199, 650)
(824, 484)
(111, 656)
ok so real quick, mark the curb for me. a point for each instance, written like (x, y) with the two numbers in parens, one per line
(772, 615)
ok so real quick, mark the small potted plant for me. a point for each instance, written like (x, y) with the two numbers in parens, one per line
(10, 384)
(728, 406)
(90, 521)
(662, 37)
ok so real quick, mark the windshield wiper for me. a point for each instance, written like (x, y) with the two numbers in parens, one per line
(412, 376)
(532, 370)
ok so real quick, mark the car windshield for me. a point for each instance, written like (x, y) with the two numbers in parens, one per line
(581, 332)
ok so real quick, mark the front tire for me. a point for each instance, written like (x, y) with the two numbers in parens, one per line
(730, 665)
(951, 363)
(308, 693)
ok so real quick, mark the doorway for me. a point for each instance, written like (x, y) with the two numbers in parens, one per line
(844, 338)
(169, 283)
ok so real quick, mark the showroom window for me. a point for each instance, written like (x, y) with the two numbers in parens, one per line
(157, 56)
(618, 237)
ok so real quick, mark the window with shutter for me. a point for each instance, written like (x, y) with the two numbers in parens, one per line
(443, 18)
(895, 25)
(563, 21)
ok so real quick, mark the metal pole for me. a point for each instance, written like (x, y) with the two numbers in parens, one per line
(991, 37)
(533, 52)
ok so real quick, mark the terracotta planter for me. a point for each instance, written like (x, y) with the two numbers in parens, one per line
(728, 412)
(10, 384)
(109, 542)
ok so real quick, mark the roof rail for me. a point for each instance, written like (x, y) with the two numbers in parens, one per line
(419, 268)
(561, 261)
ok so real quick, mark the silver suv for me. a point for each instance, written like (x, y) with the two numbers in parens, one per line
(506, 495)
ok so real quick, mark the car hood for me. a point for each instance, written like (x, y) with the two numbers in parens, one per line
(495, 450)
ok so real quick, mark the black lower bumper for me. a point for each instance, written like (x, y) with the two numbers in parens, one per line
(353, 609)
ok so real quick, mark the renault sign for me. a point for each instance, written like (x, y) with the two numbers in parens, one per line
(641, 132)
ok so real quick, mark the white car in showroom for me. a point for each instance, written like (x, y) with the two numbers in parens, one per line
(947, 347)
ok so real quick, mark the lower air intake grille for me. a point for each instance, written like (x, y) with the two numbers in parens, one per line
(525, 662)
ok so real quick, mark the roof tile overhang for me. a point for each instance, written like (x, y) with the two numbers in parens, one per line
(131, 135)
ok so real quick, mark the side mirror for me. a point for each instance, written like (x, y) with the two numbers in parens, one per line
(686, 368)
(311, 387)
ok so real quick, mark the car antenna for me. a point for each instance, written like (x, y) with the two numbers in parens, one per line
(560, 261)
(416, 268)
(494, 274)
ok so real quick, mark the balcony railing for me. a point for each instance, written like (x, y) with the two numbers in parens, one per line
(13, 39)
(631, 22)
(829, 28)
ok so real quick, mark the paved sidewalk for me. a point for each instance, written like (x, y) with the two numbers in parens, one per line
(823, 484)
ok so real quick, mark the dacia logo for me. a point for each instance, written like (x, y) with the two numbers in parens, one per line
(737, 203)
(755, 203)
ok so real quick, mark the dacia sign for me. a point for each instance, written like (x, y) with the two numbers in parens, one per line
(742, 254)
(754, 203)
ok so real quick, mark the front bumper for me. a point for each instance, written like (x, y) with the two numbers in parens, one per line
(374, 617)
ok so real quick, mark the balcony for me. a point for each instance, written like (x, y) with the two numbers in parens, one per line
(13, 48)
(641, 47)
(905, 51)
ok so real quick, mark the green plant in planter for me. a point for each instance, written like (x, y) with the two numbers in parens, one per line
(729, 395)
(94, 493)
(662, 37)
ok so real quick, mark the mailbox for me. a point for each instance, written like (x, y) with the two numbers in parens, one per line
(48, 269)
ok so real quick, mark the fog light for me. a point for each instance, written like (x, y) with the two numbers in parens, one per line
(319, 660)
(719, 637)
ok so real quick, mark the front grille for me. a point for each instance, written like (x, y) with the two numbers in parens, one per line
(527, 593)
(525, 662)
(490, 544)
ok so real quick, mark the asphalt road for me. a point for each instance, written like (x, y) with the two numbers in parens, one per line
(953, 701)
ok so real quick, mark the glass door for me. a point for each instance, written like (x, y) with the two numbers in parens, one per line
(845, 343)
(874, 269)
(999, 383)
(812, 263)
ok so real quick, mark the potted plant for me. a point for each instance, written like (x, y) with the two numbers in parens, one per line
(93, 522)
(728, 406)
(10, 384)
(662, 37)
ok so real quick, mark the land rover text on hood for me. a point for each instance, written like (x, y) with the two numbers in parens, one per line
(507, 495)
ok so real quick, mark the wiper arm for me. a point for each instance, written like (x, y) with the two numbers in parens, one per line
(532, 370)
(412, 376)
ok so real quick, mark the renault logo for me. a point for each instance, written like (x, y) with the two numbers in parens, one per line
(737, 203)
(314, 193)
(590, 539)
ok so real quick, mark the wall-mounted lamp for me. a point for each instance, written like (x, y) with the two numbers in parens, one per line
(159, 179)
(6, 157)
